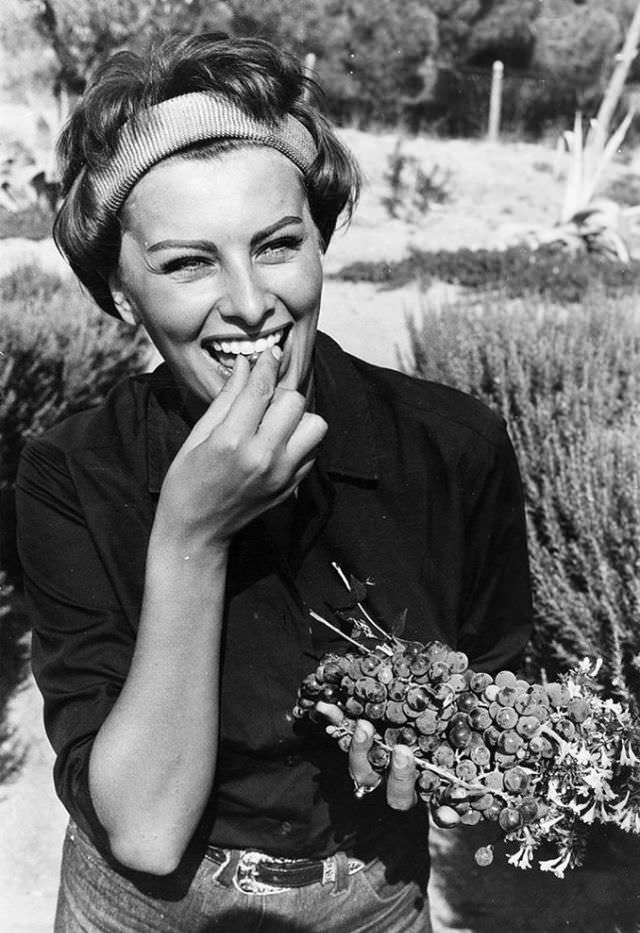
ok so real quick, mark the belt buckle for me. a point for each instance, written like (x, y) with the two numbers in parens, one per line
(245, 878)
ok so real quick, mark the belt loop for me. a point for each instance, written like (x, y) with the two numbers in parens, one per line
(225, 873)
(341, 882)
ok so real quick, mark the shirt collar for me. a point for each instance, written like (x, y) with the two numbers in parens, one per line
(349, 448)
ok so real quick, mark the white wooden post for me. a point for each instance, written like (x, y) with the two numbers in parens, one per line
(309, 66)
(495, 102)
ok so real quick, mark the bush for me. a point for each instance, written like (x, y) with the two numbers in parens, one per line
(568, 385)
(32, 223)
(551, 272)
(58, 355)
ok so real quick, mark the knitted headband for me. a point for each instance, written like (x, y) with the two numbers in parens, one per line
(173, 124)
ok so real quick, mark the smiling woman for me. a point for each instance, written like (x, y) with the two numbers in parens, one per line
(175, 538)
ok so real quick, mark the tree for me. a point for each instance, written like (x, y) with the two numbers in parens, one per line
(576, 44)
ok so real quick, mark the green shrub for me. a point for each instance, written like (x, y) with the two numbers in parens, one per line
(550, 272)
(568, 385)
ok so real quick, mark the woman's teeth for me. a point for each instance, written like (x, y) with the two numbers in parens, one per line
(221, 349)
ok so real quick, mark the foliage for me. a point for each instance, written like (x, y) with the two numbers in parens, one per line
(550, 272)
(32, 223)
(58, 356)
(13, 661)
(412, 190)
(567, 384)
(577, 44)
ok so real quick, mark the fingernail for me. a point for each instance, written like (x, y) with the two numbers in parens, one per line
(277, 352)
(403, 758)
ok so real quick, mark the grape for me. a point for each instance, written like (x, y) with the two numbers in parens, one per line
(484, 856)
(378, 758)
(516, 780)
(438, 670)
(491, 692)
(427, 743)
(418, 698)
(483, 802)
(353, 708)
(428, 781)
(471, 817)
(420, 665)
(480, 755)
(407, 736)
(445, 817)
(528, 726)
(458, 662)
(509, 819)
(509, 742)
(566, 729)
(444, 756)
(479, 682)
(480, 719)
(459, 735)
(332, 672)
(578, 709)
(529, 809)
(467, 702)
(506, 717)
(394, 712)
(397, 690)
(374, 711)
(369, 664)
(427, 722)
(505, 679)
(466, 771)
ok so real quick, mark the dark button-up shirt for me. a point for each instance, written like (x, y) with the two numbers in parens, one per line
(415, 489)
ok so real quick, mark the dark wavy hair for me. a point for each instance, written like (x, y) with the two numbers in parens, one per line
(261, 79)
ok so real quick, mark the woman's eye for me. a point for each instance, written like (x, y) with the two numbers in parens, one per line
(186, 266)
(281, 249)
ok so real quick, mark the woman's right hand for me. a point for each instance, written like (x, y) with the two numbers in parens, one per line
(248, 452)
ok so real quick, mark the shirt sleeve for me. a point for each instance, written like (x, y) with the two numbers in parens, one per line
(81, 642)
(497, 616)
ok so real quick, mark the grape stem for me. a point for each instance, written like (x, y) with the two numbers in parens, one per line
(338, 569)
(478, 788)
(334, 628)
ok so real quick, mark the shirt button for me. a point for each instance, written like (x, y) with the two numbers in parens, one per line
(285, 828)
(291, 761)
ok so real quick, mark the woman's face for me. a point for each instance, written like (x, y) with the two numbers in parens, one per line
(221, 257)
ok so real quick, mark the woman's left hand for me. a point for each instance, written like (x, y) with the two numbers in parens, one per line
(400, 778)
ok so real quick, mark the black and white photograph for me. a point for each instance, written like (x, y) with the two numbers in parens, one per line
(320, 466)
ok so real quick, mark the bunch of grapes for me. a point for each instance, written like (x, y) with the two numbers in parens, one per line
(492, 748)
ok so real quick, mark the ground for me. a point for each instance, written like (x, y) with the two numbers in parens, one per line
(493, 190)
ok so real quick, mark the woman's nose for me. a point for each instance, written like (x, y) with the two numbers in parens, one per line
(245, 298)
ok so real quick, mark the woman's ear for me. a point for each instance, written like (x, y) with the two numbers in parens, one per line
(123, 304)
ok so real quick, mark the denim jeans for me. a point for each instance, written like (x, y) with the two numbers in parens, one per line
(94, 898)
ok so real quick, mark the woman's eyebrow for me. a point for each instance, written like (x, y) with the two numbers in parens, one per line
(207, 245)
(273, 228)
(211, 247)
